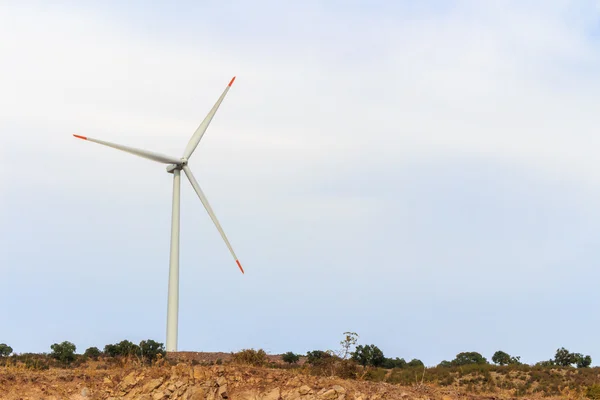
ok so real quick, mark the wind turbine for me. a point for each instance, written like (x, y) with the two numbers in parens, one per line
(175, 166)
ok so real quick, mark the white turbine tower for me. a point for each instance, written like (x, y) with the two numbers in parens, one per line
(175, 166)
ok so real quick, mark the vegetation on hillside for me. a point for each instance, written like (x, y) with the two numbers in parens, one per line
(566, 372)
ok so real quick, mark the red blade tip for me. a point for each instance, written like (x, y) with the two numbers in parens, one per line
(231, 82)
(80, 137)
(240, 265)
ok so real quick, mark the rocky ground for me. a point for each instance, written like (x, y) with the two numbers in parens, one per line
(195, 382)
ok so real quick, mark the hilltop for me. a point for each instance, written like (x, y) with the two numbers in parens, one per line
(197, 376)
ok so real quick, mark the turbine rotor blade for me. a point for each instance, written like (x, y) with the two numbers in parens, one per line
(195, 139)
(211, 213)
(161, 158)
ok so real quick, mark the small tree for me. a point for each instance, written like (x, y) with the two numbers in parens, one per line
(5, 350)
(323, 362)
(124, 348)
(564, 358)
(515, 360)
(111, 350)
(583, 361)
(290, 357)
(469, 357)
(445, 364)
(390, 363)
(368, 355)
(501, 358)
(150, 349)
(415, 362)
(350, 339)
(63, 352)
(316, 357)
(92, 352)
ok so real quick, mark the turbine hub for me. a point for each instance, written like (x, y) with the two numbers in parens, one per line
(179, 166)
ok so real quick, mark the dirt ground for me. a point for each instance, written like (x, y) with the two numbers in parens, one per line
(98, 381)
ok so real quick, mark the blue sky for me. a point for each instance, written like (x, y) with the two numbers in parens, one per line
(426, 176)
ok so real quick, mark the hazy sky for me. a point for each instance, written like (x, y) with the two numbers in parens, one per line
(426, 174)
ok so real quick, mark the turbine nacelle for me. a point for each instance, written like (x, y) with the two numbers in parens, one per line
(179, 166)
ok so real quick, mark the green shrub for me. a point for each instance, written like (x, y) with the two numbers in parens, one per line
(316, 357)
(124, 348)
(37, 363)
(564, 358)
(469, 357)
(63, 352)
(415, 363)
(368, 355)
(583, 361)
(376, 374)
(290, 357)
(322, 363)
(389, 363)
(150, 350)
(92, 353)
(501, 358)
(5, 350)
(593, 392)
(250, 357)
(346, 369)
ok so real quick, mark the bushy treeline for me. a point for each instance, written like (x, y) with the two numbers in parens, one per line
(470, 371)
(372, 356)
(562, 358)
(65, 354)
(364, 355)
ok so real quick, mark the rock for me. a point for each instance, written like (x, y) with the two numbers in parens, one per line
(404, 395)
(171, 388)
(128, 381)
(221, 381)
(159, 396)
(151, 385)
(212, 395)
(291, 395)
(304, 390)
(251, 394)
(179, 384)
(222, 393)
(179, 392)
(195, 393)
(339, 389)
(107, 381)
(85, 392)
(274, 394)
(199, 374)
(133, 393)
(330, 394)
(294, 381)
